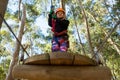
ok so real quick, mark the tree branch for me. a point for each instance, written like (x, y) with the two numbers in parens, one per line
(87, 27)
(106, 38)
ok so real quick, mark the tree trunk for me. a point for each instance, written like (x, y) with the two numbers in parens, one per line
(3, 6)
(17, 47)
(19, 15)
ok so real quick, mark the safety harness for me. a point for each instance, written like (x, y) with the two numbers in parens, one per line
(59, 34)
(53, 29)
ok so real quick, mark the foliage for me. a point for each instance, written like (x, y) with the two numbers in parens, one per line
(102, 15)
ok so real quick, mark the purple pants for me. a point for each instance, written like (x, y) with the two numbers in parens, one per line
(59, 44)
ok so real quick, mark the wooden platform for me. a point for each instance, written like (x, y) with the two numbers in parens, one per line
(61, 66)
(39, 72)
(60, 59)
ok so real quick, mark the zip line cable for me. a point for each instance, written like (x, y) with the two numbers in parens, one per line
(14, 34)
(101, 46)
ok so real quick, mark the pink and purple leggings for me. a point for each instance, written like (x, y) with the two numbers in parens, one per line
(59, 44)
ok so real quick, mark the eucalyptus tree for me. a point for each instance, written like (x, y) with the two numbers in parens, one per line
(101, 17)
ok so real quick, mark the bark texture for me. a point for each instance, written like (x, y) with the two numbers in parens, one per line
(14, 60)
(3, 6)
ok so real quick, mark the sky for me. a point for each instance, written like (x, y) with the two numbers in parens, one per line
(40, 21)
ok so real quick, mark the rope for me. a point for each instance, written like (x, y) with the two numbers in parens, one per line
(101, 46)
(14, 34)
(51, 3)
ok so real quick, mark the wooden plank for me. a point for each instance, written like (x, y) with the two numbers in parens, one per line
(34, 72)
(83, 60)
(38, 59)
(61, 58)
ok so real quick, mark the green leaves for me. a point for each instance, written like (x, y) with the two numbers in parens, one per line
(101, 17)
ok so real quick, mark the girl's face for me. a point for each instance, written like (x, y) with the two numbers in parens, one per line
(60, 14)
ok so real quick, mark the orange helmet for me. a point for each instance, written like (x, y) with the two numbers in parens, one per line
(60, 9)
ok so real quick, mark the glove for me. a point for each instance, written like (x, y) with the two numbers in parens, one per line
(54, 16)
(51, 12)
(52, 9)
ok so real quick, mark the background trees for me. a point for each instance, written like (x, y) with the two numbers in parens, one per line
(101, 15)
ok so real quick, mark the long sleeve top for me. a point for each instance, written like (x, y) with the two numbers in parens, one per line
(60, 25)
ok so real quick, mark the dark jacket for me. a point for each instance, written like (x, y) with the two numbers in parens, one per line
(60, 25)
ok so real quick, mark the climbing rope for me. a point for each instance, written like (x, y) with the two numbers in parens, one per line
(101, 46)
(13, 34)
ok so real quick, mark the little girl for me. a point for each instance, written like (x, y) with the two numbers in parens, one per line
(59, 26)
